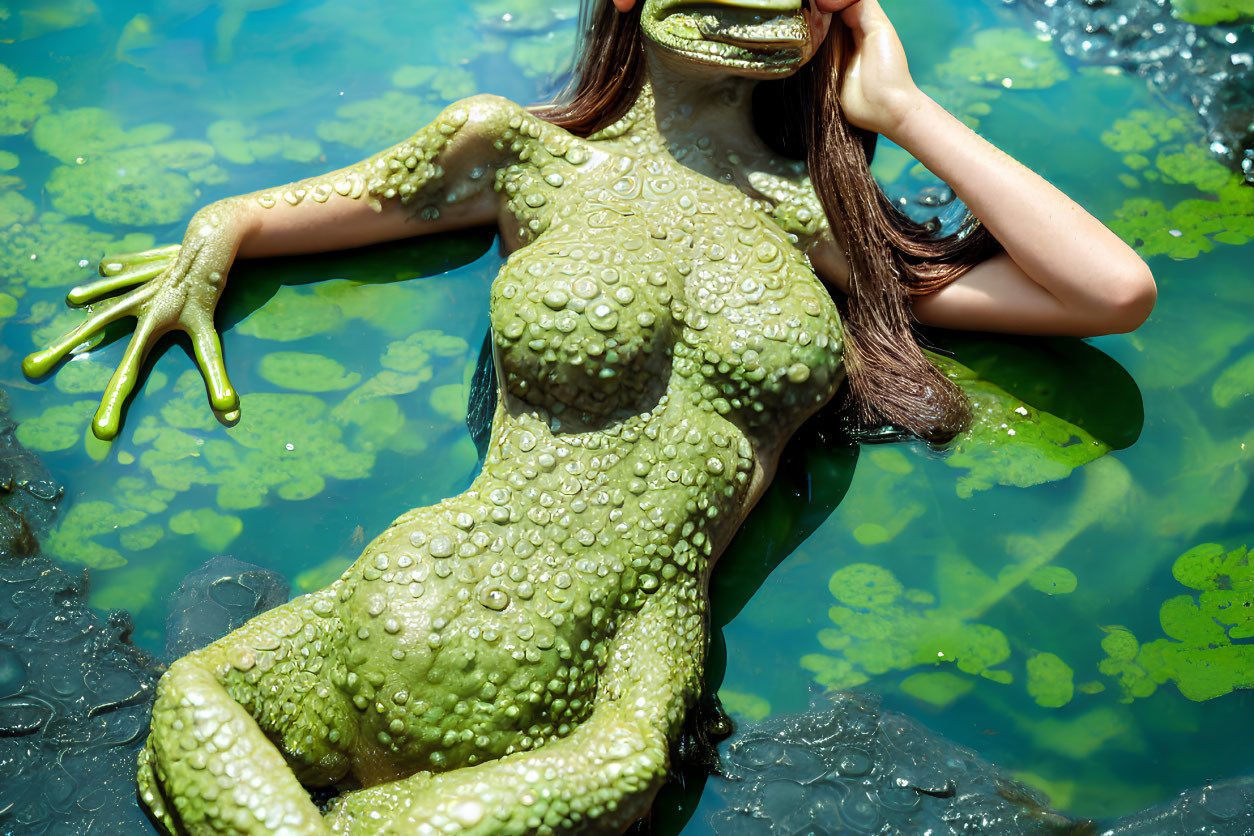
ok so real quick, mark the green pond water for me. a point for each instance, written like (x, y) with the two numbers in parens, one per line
(1040, 614)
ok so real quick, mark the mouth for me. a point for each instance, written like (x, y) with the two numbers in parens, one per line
(768, 35)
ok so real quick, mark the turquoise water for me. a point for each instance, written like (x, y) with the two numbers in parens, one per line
(1024, 582)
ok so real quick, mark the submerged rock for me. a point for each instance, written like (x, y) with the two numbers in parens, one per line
(850, 767)
(217, 598)
(1207, 68)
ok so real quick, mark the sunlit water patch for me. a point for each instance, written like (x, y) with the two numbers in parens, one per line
(1025, 595)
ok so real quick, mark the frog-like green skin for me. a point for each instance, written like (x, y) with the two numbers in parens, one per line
(518, 658)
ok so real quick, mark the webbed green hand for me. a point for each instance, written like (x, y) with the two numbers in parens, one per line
(175, 287)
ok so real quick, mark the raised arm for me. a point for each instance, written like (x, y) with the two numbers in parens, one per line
(438, 179)
(1062, 271)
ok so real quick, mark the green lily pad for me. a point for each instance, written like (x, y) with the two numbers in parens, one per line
(1050, 680)
(1207, 652)
(292, 314)
(1009, 58)
(58, 428)
(940, 688)
(1010, 442)
(212, 530)
(24, 100)
(59, 254)
(306, 372)
(1053, 580)
(72, 539)
(81, 376)
(1235, 384)
(241, 144)
(749, 708)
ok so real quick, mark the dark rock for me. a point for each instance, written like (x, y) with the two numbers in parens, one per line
(850, 767)
(1209, 69)
(217, 598)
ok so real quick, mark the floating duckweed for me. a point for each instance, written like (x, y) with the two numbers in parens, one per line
(1053, 580)
(378, 123)
(241, 144)
(940, 688)
(58, 428)
(141, 537)
(1207, 653)
(8, 161)
(14, 208)
(129, 192)
(89, 133)
(81, 375)
(1144, 129)
(24, 100)
(8, 305)
(413, 354)
(450, 401)
(880, 627)
(1236, 383)
(1050, 680)
(212, 530)
(306, 372)
(543, 55)
(1010, 442)
(72, 539)
(59, 254)
(1191, 227)
(449, 83)
(749, 708)
(284, 445)
(138, 493)
(1007, 58)
(292, 315)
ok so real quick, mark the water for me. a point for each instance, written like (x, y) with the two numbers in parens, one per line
(263, 80)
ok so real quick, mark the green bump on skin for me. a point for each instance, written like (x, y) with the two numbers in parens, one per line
(306, 372)
(1050, 680)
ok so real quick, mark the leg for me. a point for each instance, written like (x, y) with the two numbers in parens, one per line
(600, 778)
(237, 726)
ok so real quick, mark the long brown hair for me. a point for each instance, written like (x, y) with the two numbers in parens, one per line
(891, 257)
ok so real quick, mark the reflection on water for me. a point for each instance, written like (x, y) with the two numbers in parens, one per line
(1010, 592)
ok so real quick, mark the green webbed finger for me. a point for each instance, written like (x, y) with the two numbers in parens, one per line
(40, 363)
(87, 293)
(208, 348)
(108, 417)
(112, 265)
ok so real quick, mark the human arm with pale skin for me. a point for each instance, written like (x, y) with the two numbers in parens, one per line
(1062, 271)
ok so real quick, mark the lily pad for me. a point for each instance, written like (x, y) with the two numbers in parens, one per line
(306, 372)
(1053, 580)
(58, 428)
(72, 539)
(1050, 680)
(1010, 442)
(212, 530)
(23, 100)
(1207, 652)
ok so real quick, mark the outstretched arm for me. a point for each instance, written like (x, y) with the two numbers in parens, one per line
(438, 179)
(1062, 271)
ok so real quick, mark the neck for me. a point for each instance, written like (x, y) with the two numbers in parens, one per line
(702, 116)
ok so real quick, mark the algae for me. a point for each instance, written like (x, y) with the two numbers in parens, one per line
(24, 100)
(73, 541)
(213, 531)
(1050, 680)
(242, 144)
(1211, 12)
(58, 428)
(306, 372)
(380, 122)
(1235, 383)
(55, 253)
(749, 708)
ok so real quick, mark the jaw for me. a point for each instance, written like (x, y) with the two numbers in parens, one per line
(749, 37)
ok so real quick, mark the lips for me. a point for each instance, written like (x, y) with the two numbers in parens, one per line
(751, 32)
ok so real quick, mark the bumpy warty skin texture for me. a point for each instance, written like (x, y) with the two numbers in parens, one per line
(516, 659)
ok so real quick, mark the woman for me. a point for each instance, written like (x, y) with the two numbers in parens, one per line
(517, 658)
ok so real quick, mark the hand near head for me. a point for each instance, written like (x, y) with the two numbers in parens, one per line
(878, 91)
